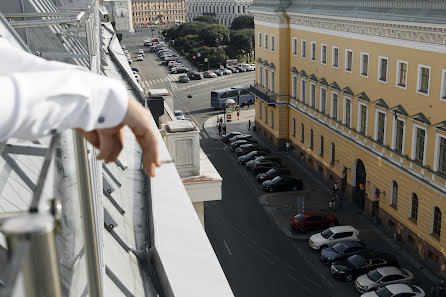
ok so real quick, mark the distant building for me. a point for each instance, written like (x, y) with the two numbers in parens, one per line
(154, 12)
(223, 10)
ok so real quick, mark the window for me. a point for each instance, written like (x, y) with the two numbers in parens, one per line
(380, 127)
(423, 81)
(419, 149)
(303, 48)
(313, 51)
(398, 129)
(382, 69)
(414, 208)
(266, 115)
(364, 64)
(266, 41)
(443, 85)
(362, 119)
(333, 153)
(273, 80)
(335, 57)
(401, 74)
(334, 105)
(311, 139)
(294, 46)
(302, 132)
(436, 226)
(272, 43)
(294, 127)
(266, 79)
(312, 95)
(348, 60)
(261, 75)
(323, 54)
(441, 167)
(323, 100)
(347, 111)
(394, 197)
(272, 119)
(321, 148)
(303, 88)
(260, 39)
(294, 86)
(260, 111)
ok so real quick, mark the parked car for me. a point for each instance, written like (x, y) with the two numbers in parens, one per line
(195, 75)
(225, 138)
(240, 69)
(272, 157)
(226, 71)
(247, 67)
(219, 72)
(342, 250)
(183, 79)
(333, 235)
(272, 173)
(209, 74)
(238, 143)
(233, 69)
(397, 290)
(357, 265)
(179, 70)
(308, 220)
(139, 58)
(171, 64)
(141, 51)
(250, 156)
(246, 148)
(265, 166)
(136, 76)
(242, 137)
(253, 66)
(179, 115)
(135, 69)
(383, 276)
(283, 183)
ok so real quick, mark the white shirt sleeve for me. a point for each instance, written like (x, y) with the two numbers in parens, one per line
(41, 97)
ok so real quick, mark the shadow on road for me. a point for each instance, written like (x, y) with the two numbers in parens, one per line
(207, 110)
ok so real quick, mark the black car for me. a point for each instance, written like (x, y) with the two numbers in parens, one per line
(342, 250)
(242, 137)
(272, 173)
(195, 75)
(357, 265)
(282, 183)
(225, 138)
(265, 166)
(250, 164)
(251, 156)
(182, 70)
(238, 143)
(246, 148)
(135, 69)
(233, 69)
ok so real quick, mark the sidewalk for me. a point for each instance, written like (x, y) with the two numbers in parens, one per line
(316, 193)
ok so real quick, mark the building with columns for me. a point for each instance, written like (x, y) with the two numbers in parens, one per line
(153, 12)
(223, 10)
(359, 89)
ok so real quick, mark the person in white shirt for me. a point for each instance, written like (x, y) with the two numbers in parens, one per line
(41, 97)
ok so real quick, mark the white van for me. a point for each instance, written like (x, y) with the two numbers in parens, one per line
(247, 67)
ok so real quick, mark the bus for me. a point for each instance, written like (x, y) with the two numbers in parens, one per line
(218, 97)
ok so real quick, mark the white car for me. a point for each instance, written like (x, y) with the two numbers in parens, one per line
(247, 67)
(136, 76)
(179, 115)
(331, 236)
(397, 290)
(141, 51)
(139, 58)
(253, 66)
(382, 277)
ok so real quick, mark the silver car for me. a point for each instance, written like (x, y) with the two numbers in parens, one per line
(381, 277)
(179, 115)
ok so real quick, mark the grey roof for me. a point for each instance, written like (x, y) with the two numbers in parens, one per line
(363, 96)
(400, 109)
(335, 86)
(429, 11)
(294, 70)
(312, 77)
(420, 117)
(323, 81)
(380, 102)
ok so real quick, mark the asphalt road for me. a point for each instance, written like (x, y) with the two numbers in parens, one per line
(257, 258)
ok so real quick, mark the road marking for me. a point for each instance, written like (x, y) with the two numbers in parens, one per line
(226, 245)
(316, 284)
(311, 292)
(292, 268)
(322, 276)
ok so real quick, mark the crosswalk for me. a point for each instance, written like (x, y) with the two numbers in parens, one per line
(152, 82)
(202, 82)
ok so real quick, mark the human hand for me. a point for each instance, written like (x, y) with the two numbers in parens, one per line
(109, 141)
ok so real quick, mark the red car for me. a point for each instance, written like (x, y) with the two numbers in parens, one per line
(312, 220)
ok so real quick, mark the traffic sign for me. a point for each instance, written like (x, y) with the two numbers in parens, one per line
(228, 110)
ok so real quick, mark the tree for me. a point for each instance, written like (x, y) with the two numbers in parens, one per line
(214, 35)
(190, 28)
(242, 22)
(206, 19)
(241, 42)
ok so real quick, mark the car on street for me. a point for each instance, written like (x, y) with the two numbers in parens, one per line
(283, 183)
(381, 277)
(342, 250)
(136, 76)
(331, 236)
(250, 156)
(272, 157)
(195, 75)
(179, 70)
(253, 66)
(225, 138)
(219, 72)
(246, 148)
(179, 115)
(272, 173)
(356, 265)
(247, 67)
(139, 58)
(141, 51)
(397, 290)
(240, 69)
(135, 69)
(226, 71)
(242, 137)
(209, 74)
(265, 166)
(238, 143)
(309, 220)
(233, 69)
(183, 79)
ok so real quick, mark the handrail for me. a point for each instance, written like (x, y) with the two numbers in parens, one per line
(48, 22)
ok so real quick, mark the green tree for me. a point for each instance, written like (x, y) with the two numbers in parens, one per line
(241, 43)
(242, 22)
(214, 35)
(190, 28)
(206, 19)
(171, 33)
(215, 55)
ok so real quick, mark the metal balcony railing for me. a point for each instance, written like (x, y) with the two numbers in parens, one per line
(263, 93)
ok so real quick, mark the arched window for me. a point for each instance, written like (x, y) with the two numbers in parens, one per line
(394, 197)
(311, 139)
(322, 146)
(333, 153)
(414, 208)
(302, 132)
(436, 226)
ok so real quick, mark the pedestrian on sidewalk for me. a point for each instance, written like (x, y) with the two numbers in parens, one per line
(332, 203)
(287, 146)
(238, 115)
(249, 125)
(221, 120)
(218, 120)
(224, 129)
(219, 129)
(335, 188)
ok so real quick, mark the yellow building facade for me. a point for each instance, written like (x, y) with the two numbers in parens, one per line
(362, 100)
(152, 12)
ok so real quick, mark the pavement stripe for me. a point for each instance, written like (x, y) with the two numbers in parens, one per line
(226, 245)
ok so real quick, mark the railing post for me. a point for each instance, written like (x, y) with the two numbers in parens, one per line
(88, 217)
(40, 272)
